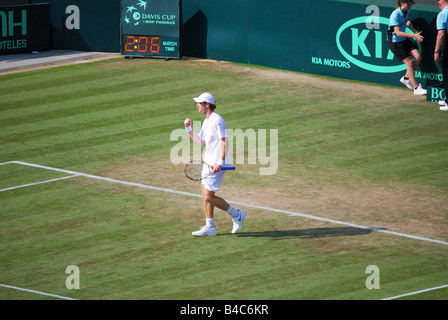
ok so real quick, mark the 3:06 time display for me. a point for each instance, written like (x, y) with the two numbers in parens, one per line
(141, 44)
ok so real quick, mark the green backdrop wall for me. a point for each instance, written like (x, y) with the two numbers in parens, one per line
(99, 25)
(326, 37)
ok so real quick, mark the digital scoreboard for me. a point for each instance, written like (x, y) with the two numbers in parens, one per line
(150, 28)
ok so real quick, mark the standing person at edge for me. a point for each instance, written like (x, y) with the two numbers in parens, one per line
(214, 134)
(402, 47)
(439, 55)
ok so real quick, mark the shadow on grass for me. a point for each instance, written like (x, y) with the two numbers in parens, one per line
(308, 233)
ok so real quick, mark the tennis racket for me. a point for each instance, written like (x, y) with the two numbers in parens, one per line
(197, 170)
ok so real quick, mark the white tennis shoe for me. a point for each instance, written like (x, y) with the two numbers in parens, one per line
(407, 83)
(205, 231)
(420, 91)
(238, 222)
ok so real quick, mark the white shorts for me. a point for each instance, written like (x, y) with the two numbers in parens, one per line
(213, 181)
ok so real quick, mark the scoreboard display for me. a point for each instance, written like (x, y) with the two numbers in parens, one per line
(150, 28)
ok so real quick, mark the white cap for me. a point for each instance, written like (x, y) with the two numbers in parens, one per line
(205, 97)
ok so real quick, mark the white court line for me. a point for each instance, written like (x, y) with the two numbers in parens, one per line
(38, 292)
(290, 213)
(416, 292)
(6, 163)
(36, 183)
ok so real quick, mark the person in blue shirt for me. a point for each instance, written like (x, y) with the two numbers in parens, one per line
(441, 49)
(402, 47)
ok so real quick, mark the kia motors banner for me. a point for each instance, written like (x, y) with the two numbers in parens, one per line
(345, 39)
(357, 45)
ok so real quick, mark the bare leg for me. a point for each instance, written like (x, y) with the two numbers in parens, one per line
(211, 201)
(417, 58)
(410, 71)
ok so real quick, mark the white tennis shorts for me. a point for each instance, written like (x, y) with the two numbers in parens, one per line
(213, 181)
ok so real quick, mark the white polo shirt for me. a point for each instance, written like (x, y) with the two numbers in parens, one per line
(212, 131)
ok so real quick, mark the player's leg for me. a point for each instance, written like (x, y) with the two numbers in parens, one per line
(238, 216)
(209, 229)
(209, 187)
(212, 199)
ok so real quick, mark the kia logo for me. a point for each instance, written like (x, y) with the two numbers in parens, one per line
(367, 46)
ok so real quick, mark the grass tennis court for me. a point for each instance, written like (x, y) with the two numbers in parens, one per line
(349, 152)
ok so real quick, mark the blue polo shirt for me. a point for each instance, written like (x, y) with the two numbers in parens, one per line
(398, 18)
(442, 19)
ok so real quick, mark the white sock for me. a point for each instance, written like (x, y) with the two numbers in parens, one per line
(210, 223)
(233, 212)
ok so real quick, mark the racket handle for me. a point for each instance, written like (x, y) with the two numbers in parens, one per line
(228, 168)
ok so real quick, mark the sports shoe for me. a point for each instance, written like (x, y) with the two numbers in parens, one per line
(238, 222)
(420, 91)
(205, 231)
(442, 103)
(444, 108)
(407, 83)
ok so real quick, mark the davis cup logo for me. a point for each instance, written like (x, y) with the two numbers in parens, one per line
(135, 11)
(367, 48)
(139, 13)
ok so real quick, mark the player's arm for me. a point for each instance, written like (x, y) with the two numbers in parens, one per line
(224, 147)
(193, 135)
(441, 34)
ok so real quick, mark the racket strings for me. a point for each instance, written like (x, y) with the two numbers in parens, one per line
(195, 170)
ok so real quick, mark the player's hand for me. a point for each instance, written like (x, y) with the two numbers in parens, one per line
(418, 37)
(187, 122)
(216, 168)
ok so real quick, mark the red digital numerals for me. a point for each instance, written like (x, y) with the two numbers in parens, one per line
(141, 44)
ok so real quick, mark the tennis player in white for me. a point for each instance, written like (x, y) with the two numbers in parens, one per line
(214, 134)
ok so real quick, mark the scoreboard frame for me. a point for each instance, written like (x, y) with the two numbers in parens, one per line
(150, 28)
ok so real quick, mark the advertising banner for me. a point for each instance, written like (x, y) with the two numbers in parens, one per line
(24, 28)
(358, 47)
(340, 38)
